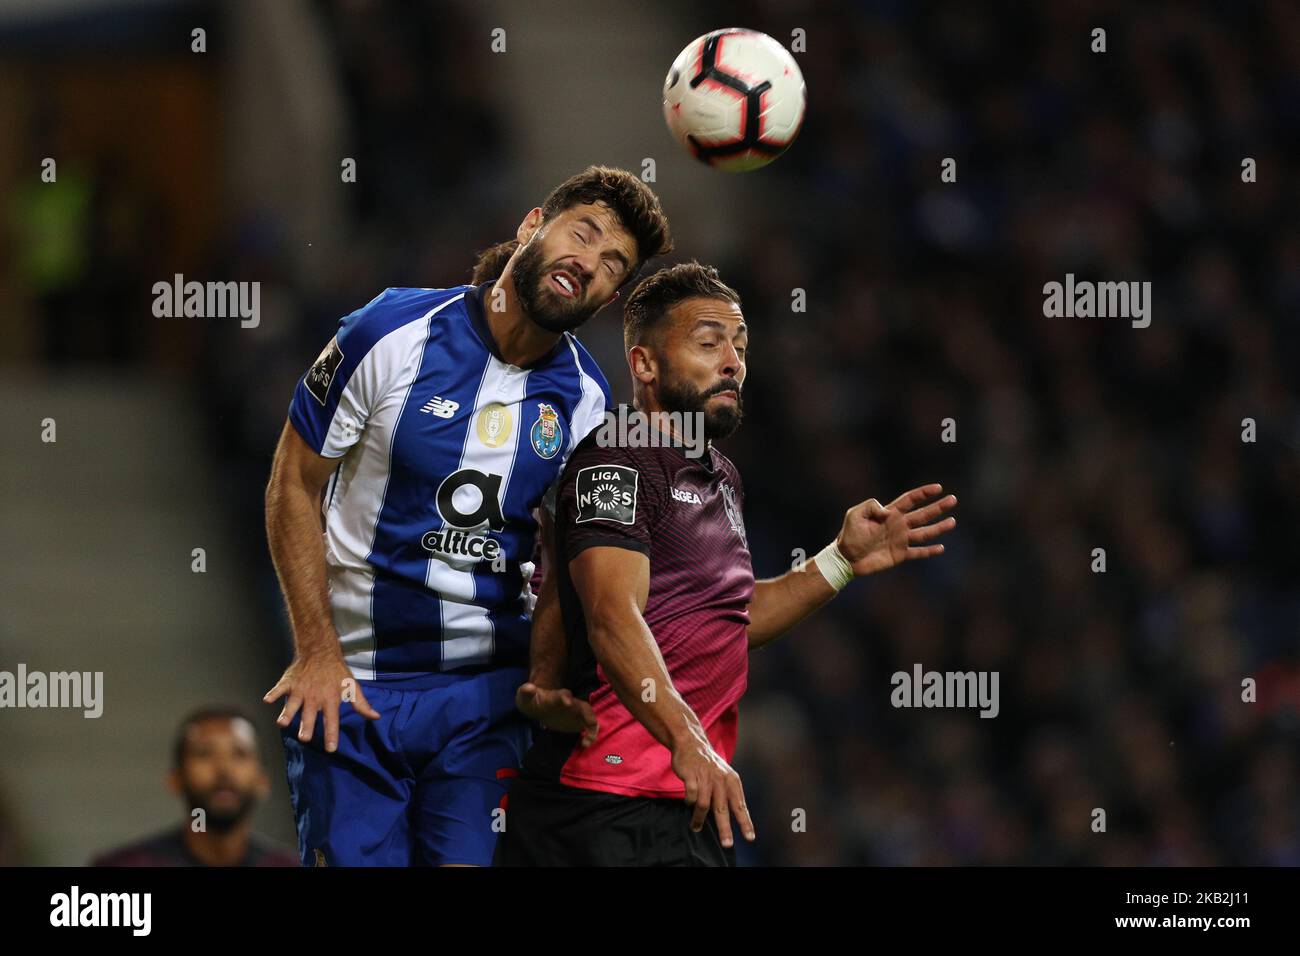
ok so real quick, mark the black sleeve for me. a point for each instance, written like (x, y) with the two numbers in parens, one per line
(607, 497)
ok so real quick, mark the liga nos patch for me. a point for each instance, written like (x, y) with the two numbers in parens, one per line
(607, 493)
(321, 374)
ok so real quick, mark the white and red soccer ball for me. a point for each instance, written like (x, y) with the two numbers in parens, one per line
(734, 99)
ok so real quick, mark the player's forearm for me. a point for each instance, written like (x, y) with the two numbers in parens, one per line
(635, 669)
(780, 603)
(297, 547)
(547, 647)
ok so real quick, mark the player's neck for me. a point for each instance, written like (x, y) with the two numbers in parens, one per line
(519, 339)
(661, 419)
(226, 848)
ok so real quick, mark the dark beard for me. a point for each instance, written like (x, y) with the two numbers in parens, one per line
(541, 303)
(225, 820)
(719, 423)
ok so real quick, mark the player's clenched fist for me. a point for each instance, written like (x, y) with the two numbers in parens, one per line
(317, 685)
(711, 786)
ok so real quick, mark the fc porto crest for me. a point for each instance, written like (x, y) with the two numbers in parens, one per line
(547, 433)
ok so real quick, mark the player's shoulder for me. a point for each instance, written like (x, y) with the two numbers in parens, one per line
(588, 367)
(594, 446)
(610, 452)
(396, 308)
(725, 463)
(157, 849)
(613, 442)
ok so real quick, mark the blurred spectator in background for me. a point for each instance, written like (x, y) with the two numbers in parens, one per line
(218, 772)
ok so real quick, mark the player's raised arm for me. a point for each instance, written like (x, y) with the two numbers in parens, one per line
(313, 681)
(873, 538)
(613, 584)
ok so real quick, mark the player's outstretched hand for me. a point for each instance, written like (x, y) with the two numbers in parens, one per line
(318, 685)
(558, 710)
(875, 537)
(711, 785)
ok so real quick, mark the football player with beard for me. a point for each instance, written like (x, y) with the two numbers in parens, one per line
(660, 606)
(400, 515)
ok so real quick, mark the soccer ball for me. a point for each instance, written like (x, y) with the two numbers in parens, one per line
(734, 99)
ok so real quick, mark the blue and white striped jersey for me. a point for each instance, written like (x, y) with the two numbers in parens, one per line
(446, 451)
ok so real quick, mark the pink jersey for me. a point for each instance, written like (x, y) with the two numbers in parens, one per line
(685, 515)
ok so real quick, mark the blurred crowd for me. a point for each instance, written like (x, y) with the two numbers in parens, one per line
(1120, 690)
(417, 216)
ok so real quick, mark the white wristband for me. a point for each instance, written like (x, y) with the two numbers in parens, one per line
(834, 567)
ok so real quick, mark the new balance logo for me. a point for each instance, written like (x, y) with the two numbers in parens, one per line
(442, 407)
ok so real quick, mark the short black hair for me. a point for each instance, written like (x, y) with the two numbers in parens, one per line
(656, 294)
(219, 712)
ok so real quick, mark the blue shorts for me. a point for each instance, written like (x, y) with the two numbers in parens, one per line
(417, 787)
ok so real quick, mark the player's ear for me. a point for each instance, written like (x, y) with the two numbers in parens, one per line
(174, 782)
(530, 225)
(642, 365)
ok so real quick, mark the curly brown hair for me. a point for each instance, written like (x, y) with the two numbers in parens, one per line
(492, 261)
(633, 203)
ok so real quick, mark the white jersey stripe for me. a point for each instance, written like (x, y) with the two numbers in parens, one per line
(362, 482)
(505, 385)
(591, 407)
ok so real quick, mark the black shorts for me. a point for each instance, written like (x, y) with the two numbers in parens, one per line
(551, 824)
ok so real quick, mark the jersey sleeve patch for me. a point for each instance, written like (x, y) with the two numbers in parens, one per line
(606, 493)
(321, 374)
